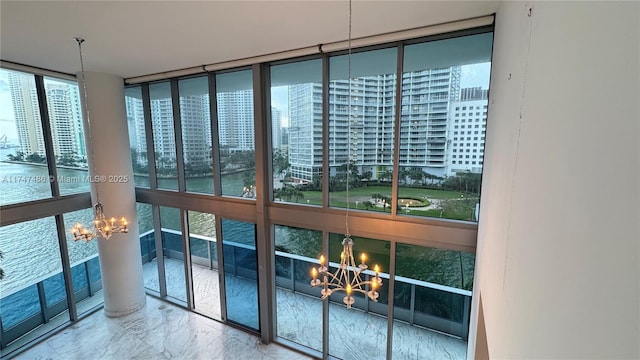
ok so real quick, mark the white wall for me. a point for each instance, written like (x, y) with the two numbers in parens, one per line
(558, 248)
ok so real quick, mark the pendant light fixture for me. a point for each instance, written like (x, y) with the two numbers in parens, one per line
(348, 277)
(101, 226)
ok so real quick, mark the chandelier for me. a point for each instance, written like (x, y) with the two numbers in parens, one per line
(348, 277)
(101, 226)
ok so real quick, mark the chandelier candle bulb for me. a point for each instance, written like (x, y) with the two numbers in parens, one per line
(363, 258)
(314, 274)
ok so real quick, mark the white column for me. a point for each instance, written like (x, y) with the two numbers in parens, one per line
(109, 158)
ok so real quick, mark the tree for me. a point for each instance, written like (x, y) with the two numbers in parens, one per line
(68, 159)
(467, 182)
(249, 178)
(366, 175)
(404, 174)
(386, 175)
(354, 175)
(431, 177)
(416, 174)
(280, 161)
(35, 158)
(367, 204)
(286, 192)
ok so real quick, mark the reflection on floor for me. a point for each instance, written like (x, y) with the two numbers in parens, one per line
(353, 334)
(82, 307)
(158, 331)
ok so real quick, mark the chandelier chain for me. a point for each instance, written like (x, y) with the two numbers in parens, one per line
(349, 119)
(86, 107)
(102, 227)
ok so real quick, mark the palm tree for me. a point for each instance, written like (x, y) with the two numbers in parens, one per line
(385, 175)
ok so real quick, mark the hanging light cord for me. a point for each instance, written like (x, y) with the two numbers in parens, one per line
(348, 125)
(86, 107)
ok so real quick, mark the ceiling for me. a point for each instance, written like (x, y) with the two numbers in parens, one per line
(135, 38)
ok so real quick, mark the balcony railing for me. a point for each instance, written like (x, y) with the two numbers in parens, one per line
(433, 306)
(36, 304)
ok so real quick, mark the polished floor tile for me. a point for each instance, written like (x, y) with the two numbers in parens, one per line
(162, 330)
(158, 331)
(353, 334)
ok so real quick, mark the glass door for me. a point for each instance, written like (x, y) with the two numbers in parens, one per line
(240, 273)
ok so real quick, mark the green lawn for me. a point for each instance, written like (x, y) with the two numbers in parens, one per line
(364, 193)
(461, 206)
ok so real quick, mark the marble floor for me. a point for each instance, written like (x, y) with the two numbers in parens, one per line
(299, 319)
(158, 331)
(163, 330)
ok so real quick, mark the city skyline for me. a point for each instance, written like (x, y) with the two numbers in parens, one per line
(21, 125)
(235, 120)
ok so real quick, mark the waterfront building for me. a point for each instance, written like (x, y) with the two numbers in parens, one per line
(235, 120)
(26, 113)
(196, 130)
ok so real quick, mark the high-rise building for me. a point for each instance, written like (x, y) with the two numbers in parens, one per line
(65, 118)
(235, 120)
(362, 123)
(63, 102)
(427, 95)
(276, 118)
(164, 143)
(27, 113)
(305, 117)
(361, 126)
(196, 129)
(467, 129)
(137, 139)
(235, 126)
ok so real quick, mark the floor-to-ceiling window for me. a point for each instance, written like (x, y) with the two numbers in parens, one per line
(236, 136)
(296, 132)
(23, 160)
(164, 137)
(196, 134)
(241, 272)
(362, 92)
(298, 317)
(204, 263)
(386, 131)
(445, 88)
(47, 278)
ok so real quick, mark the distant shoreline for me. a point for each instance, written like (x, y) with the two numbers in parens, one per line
(134, 174)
